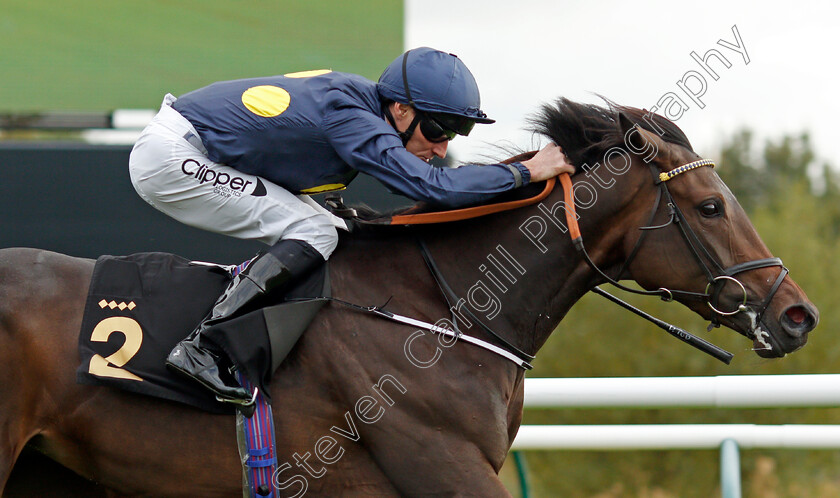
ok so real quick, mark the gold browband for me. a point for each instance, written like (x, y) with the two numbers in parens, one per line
(664, 177)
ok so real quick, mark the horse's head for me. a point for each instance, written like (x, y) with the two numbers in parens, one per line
(701, 242)
(675, 228)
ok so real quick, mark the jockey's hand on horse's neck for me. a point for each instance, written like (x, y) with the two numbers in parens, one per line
(548, 163)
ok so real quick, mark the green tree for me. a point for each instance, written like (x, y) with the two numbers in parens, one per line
(768, 179)
(741, 170)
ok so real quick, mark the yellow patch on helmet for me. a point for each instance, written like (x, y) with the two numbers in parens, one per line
(267, 101)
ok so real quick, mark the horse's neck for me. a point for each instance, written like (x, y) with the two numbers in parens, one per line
(519, 271)
(516, 280)
(499, 275)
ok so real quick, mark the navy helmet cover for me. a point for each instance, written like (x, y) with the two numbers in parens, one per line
(438, 82)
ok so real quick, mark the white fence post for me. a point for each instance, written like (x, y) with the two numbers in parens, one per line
(730, 470)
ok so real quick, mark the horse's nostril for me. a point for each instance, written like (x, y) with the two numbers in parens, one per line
(798, 320)
(796, 314)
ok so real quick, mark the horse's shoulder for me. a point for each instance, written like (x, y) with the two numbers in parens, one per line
(19, 265)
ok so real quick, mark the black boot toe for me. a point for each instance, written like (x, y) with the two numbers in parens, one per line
(202, 365)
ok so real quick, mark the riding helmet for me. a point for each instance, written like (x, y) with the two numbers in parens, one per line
(435, 82)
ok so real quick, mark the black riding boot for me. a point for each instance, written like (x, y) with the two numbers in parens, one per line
(271, 271)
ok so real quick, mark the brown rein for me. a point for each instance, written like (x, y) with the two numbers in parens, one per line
(471, 212)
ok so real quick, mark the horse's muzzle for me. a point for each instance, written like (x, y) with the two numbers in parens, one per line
(794, 324)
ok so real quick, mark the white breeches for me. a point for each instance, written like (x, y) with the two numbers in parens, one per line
(170, 170)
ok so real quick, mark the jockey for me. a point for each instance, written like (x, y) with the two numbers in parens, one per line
(239, 158)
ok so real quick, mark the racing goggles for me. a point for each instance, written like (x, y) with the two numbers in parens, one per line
(437, 127)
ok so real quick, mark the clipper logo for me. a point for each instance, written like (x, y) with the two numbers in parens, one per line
(222, 183)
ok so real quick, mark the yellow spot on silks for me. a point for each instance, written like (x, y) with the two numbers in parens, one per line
(267, 101)
(308, 74)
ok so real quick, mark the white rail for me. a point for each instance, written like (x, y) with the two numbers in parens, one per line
(676, 436)
(741, 391)
(731, 391)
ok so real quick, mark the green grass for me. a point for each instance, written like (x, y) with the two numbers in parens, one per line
(101, 55)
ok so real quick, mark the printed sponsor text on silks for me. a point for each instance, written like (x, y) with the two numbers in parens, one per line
(221, 182)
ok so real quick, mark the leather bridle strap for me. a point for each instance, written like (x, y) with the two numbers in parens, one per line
(717, 276)
(699, 252)
(752, 265)
(687, 337)
(692, 240)
(730, 272)
(645, 229)
(577, 240)
(452, 300)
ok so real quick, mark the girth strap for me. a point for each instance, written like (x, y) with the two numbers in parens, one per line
(257, 447)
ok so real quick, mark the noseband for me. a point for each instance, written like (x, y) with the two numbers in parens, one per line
(716, 275)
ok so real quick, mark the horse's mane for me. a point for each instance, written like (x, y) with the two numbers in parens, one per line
(587, 131)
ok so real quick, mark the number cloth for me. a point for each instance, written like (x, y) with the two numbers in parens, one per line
(149, 300)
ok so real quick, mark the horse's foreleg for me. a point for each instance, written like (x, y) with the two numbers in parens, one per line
(448, 467)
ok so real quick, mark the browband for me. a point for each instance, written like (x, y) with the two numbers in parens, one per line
(664, 177)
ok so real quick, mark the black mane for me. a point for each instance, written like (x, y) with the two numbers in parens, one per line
(587, 131)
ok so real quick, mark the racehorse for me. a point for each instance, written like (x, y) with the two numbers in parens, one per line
(366, 406)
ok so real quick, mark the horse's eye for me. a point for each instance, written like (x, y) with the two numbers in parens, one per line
(710, 209)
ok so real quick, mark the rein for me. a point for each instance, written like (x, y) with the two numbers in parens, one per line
(716, 279)
(471, 212)
(716, 276)
(337, 207)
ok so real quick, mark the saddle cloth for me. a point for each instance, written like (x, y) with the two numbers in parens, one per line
(139, 306)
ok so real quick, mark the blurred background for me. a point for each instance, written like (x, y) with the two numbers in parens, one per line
(81, 78)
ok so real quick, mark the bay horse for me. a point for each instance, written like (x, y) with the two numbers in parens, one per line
(365, 406)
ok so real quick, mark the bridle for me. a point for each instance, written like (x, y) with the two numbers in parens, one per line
(716, 275)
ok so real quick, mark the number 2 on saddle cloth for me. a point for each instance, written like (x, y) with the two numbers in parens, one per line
(139, 306)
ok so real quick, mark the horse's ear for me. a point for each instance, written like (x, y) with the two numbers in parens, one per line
(638, 140)
(625, 123)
